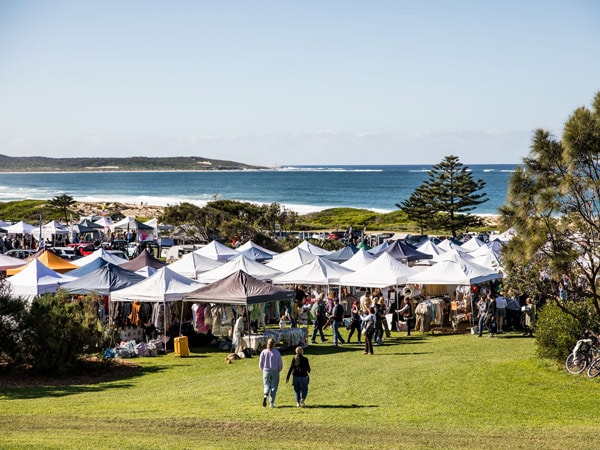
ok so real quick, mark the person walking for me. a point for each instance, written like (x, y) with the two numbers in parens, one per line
(355, 321)
(337, 316)
(271, 364)
(300, 370)
(320, 318)
(491, 315)
(482, 305)
(368, 325)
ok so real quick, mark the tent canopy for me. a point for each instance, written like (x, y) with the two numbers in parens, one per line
(250, 266)
(455, 271)
(239, 288)
(103, 281)
(144, 259)
(193, 264)
(319, 271)
(403, 251)
(50, 260)
(385, 271)
(164, 285)
(217, 251)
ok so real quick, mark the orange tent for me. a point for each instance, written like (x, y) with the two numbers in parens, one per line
(50, 260)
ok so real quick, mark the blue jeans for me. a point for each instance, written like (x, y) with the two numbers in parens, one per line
(271, 383)
(481, 324)
(300, 388)
(337, 337)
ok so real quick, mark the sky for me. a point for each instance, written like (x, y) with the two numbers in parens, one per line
(319, 82)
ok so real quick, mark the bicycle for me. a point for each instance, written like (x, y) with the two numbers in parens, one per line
(585, 353)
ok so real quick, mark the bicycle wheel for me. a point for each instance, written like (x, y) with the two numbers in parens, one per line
(594, 369)
(576, 364)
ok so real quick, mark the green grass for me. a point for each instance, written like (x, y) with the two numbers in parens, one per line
(442, 391)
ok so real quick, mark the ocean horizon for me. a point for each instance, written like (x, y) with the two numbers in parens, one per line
(300, 188)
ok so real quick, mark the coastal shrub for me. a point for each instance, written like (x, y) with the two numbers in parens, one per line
(12, 312)
(57, 333)
(557, 332)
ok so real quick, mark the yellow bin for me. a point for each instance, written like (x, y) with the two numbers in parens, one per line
(181, 346)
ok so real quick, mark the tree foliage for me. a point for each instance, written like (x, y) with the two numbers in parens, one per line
(445, 199)
(229, 219)
(553, 204)
(62, 203)
(51, 335)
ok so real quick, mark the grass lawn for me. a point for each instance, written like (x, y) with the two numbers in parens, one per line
(423, 391)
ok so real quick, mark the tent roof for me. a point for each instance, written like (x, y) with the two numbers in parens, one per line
(456, 271)
(20, 228)
(87, 223)
(131, 223)
(144, 259)
(343, 254)
(100, 253)
(383, 272)
(290, 260)
(401, 250)
(217, 251)
(9, 262)
(311, 248)
(255, 254)
(319, 271)
(89, 267)
(239, 288)
(35, 279)
(102, 281)
(192, 264)
(429, 247)
(163, 285)
(360, 259)
(250, 266)
(50, 260)
(251, 244)
(472, 244)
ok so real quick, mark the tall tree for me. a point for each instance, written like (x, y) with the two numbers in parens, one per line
(418, 208)
(62, 203)
(553, 204)
(447, 196)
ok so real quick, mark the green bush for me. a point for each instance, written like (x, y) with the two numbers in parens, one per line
(557, 332)
(56, 334)
(12, 313)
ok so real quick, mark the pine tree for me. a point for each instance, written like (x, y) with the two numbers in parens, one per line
(446, 198)
(418, 208)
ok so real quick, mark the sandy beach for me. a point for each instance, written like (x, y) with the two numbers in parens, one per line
(127, 209)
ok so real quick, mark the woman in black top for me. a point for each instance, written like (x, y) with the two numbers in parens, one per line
(300, 368)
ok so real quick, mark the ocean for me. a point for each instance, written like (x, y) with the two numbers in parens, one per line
(299, 188)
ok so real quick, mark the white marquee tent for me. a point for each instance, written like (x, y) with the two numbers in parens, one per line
(384, 272)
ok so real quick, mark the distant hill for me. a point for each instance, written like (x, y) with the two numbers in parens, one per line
(136, 163)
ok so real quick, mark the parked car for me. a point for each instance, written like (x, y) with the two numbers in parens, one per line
(21, 253)
(66, 252)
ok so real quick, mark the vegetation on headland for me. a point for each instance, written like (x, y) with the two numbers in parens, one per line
(328, 219)
(105, 164)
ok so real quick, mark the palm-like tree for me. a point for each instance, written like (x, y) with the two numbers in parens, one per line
(62, 203)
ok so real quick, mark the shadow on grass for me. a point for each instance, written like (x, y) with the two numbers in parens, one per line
(29, 387)
(350, 406)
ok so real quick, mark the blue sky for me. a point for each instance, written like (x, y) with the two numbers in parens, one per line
(282, 82)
